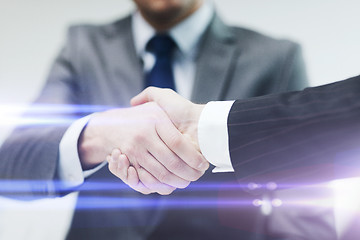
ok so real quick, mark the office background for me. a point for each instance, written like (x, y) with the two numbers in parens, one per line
(32, 33)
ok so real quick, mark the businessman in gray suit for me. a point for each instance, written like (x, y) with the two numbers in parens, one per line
(102, 67)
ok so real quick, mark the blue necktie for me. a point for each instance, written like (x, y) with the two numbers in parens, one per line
(161, 75)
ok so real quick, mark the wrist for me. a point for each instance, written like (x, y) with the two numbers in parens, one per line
(90, 145)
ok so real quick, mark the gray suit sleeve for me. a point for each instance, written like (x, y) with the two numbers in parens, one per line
(293, 75)
(31, 151)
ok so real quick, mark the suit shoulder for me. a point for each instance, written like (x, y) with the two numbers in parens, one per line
(93, 31)
(256, 40)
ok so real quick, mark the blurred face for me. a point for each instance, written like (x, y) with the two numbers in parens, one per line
(166, 13)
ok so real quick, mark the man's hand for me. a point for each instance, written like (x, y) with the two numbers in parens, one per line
(183, 113)
(120, 166)
(153, 145)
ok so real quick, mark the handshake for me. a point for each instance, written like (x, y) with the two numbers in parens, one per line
(152, 147)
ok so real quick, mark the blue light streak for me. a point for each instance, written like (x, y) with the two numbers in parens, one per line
(19, 189)
(25, 185)
(46, 114)
(165, 202)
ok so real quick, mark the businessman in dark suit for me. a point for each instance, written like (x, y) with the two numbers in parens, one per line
(291, 139)
(103, 67)
(316, 128)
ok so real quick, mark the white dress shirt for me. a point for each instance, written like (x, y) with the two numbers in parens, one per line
(186, 35)
(213, 135)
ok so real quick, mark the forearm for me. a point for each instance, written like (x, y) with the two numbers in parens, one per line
(296, 136)
(93, 147)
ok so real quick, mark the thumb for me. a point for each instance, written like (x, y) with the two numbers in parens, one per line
(143, 97)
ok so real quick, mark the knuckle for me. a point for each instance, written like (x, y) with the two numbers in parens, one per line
(195, 159)
(128, 150)
(168, 90)
(199, 159)
(150, 89)
(139, 137)
(196, 176)
(175, 164)
(175, 142)
(152, 105)
(153, 121)
(163, 177)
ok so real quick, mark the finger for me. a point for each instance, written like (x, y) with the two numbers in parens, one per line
(118, 165)
(158, 171)
(173, 164)
(123, 163)
(126, 172)
(153, 184)
(113, 161)
(188, 137)
(153, 94)
(145, 96)
(181, 146)
(134, 183)
(133, 178)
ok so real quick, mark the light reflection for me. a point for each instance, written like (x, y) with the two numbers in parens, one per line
(271, 186)
(45, 114)
(266, 207)
(166, 202)
(346, 203)
(276, 202)
(23, 186)
(347, 196)
(257, 202)
(11, 109)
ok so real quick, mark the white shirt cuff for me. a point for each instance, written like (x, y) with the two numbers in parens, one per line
(70, 171)
(213, 135)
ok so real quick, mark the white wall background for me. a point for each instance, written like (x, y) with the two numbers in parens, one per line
(32, 32)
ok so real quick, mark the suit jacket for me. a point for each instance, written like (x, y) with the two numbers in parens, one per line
(307, 136)
(99, 67)
(298, 139)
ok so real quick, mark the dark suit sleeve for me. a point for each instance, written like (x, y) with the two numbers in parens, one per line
(310, 135)
(31, 151)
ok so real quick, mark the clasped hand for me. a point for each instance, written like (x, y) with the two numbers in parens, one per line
(148, 146)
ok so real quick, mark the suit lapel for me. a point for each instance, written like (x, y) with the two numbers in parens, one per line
(124, 65)
(214, 62)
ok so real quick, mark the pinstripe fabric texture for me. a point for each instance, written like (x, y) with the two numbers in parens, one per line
(298, 137)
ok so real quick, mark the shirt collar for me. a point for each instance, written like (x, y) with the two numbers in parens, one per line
(186, 34)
